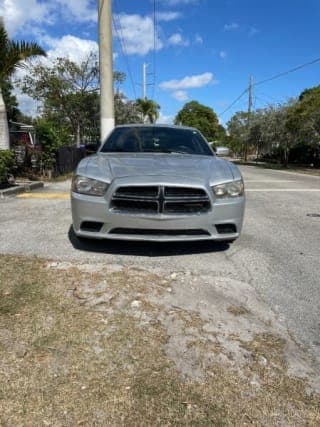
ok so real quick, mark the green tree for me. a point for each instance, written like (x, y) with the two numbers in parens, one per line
(10, 101)
(201, 117)
(118, 77)
(238, 132)
(13, 55)
(304, 117)
(125, 110)
(68, 94)
(148, 109)
(220, 135)
(280, 132)
(265, 134)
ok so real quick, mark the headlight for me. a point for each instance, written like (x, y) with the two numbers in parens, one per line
(84, 185)
(230, 189)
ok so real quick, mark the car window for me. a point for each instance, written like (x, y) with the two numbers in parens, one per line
(156, 140)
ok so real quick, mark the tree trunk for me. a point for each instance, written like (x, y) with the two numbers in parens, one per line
(4, 131)
(286, 155)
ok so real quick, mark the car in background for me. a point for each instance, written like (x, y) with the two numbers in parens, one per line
(222, 151)
(157, 183)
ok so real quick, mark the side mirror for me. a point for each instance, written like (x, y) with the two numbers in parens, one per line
(213, 146)
(92, 148)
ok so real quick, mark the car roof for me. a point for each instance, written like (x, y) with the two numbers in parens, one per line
(152, 125)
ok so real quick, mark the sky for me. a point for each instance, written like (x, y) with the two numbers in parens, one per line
(203, 50)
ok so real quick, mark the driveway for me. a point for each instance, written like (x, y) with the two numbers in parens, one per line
(276, 258)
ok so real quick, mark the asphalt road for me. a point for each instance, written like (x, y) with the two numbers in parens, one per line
(277, 255)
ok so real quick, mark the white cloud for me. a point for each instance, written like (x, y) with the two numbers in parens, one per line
(222, 54)
(72, 47)
(231, 27)
(177, 40)
(19, 13)
(189, 82)
(136, 33)
(180, 95)
(26, 15)
(168, 16)
(80, 10)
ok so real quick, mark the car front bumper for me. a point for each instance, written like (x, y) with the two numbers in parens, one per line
(92, 218)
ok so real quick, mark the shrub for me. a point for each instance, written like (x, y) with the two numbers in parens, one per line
(305, 153)
(7, 164)
(51, 139)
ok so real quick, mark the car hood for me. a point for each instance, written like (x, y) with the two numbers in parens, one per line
(190, 167)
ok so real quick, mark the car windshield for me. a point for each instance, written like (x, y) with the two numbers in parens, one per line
(153, 139)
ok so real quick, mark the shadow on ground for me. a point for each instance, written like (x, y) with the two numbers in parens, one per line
(151, 249)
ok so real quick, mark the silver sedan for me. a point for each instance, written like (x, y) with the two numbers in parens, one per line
(157, 183)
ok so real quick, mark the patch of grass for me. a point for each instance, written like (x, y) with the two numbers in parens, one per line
(81, 366)
(19, 284)
(268, 346)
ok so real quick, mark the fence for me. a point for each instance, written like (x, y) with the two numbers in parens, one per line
(67, 159)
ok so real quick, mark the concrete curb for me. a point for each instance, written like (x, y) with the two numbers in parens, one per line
(21, 187)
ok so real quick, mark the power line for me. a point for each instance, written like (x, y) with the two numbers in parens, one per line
(276, 76)
(233, 103)
(124, 54)
(123, 49)
(284, 73)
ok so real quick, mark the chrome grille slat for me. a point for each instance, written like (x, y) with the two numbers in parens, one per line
(160, 200)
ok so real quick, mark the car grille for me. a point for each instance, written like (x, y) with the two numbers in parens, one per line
(160, 200)
(159, 233)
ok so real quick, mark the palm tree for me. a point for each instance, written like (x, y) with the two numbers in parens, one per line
(148, 109)
(12, 56)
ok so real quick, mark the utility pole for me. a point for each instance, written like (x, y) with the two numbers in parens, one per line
(250, 90)
(106, 68)
(4, 131)
(144, 81)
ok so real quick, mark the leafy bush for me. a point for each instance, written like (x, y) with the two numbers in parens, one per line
(306, 154)
(51, 139)
(274, 156)
(7, 164)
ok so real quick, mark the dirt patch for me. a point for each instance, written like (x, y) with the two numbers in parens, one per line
(122, 346)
